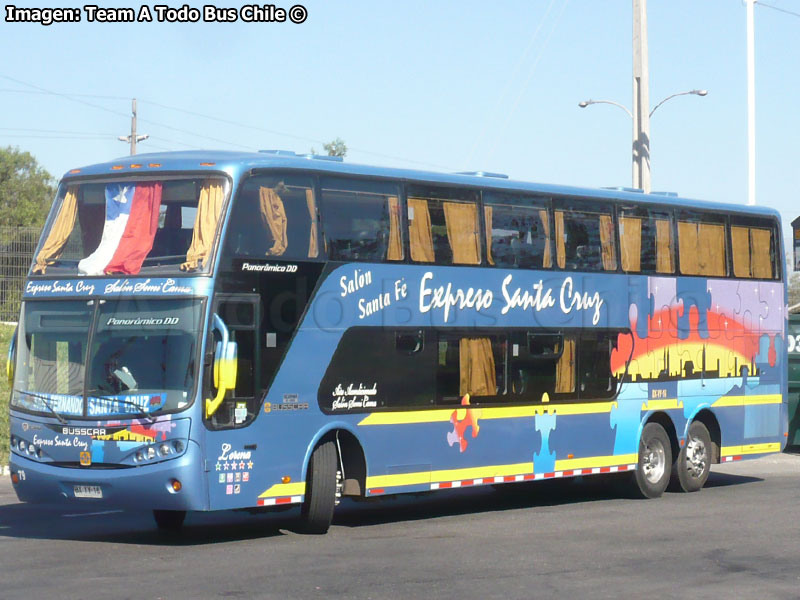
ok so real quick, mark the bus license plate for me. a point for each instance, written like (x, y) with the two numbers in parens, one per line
(88, 491)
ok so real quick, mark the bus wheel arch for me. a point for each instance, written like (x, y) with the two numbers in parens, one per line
(707, 418)
(693, 463)
(336, 467)
(657, 446)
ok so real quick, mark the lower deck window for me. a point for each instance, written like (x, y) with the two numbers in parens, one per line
(376, 368)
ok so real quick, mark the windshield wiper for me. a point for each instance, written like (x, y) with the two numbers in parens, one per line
(140, 412)
(46, 401)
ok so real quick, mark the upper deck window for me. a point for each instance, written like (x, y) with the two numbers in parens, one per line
(274, 216)
(361, 220)
(701, 244)
(443, 226)
(753, 248)
(518, 232)
(646, 241)
(585, 237)
(129, 226)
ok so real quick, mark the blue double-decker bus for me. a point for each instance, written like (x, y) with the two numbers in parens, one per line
(208, 331)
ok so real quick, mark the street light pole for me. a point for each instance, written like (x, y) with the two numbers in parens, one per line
(133, 138)
(641, 99)
(751, 107)
(637, 170)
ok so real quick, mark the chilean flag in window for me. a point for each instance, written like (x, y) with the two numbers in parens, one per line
(128, 231)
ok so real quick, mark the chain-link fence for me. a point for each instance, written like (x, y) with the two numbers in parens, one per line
(17, 245)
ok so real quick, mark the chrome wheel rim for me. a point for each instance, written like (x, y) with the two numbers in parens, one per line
(696, 457)
(654, 461)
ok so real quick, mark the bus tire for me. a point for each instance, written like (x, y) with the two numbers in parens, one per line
(169, 521)
(693, 464)
(320, 498)
(655, 461)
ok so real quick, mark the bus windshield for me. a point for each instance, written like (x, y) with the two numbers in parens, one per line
(132, 226)
(140, 358)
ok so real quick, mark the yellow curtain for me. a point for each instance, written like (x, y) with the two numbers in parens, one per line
(273, 214)
(711, 249)
(59, 232)
(487, 218)
(420, 237)
(607, 243)
(664, 251)
(740, 242)
(565, 369)
(209, 208)
(687, 248)
(476, 364)
(547, 259)
(313, 248)
(395, 251)
(561, 251)
(761, 253)
(630, 244)
(462, 232)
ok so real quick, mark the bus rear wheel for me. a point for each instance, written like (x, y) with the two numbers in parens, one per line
(693, 464)
(169, 521)
(655, 461)
(320, 498)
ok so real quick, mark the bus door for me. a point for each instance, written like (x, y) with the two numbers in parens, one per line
(231, 447)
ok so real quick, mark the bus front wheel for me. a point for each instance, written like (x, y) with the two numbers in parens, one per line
(320, 498)
(655, 461)
(693, 464)
(169, 521)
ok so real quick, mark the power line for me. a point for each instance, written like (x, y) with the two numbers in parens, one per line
(45, 93)
(783, 10)
(75, 98)
(52, 131)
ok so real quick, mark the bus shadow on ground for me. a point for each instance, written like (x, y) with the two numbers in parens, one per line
(134, 527)
(553, 493)
(138, 528)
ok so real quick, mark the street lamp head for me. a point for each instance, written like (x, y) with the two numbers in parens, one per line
(699, 92)
(584, 104)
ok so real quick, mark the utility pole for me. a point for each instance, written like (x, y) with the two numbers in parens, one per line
(751, 106)
(133, 138)
(641, 99)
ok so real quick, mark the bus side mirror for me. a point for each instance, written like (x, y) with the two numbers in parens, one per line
(225, 367)
(11, 359)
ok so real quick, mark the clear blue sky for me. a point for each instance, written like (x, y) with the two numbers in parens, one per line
(445, 85)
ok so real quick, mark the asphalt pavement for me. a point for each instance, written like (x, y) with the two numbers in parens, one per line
(738, 538)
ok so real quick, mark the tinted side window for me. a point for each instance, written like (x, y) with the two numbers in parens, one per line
(753, 248)
(701, 244)
(443, 226)
(585, 237)
(518, 231)
(470, 364)
(361, 220)
(646, 242)
(274, 216)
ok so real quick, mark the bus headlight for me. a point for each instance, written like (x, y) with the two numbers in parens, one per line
(21, 445)
(164, 449)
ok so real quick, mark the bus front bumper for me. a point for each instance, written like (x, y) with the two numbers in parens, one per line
(146, 487)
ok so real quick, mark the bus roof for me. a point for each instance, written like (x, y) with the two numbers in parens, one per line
(238, 163)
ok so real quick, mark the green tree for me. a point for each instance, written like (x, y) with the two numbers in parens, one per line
(335, 147)
(26, 189)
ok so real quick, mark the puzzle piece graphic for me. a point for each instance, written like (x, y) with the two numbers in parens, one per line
(545, 460)
(692, 293)
(461, 419)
